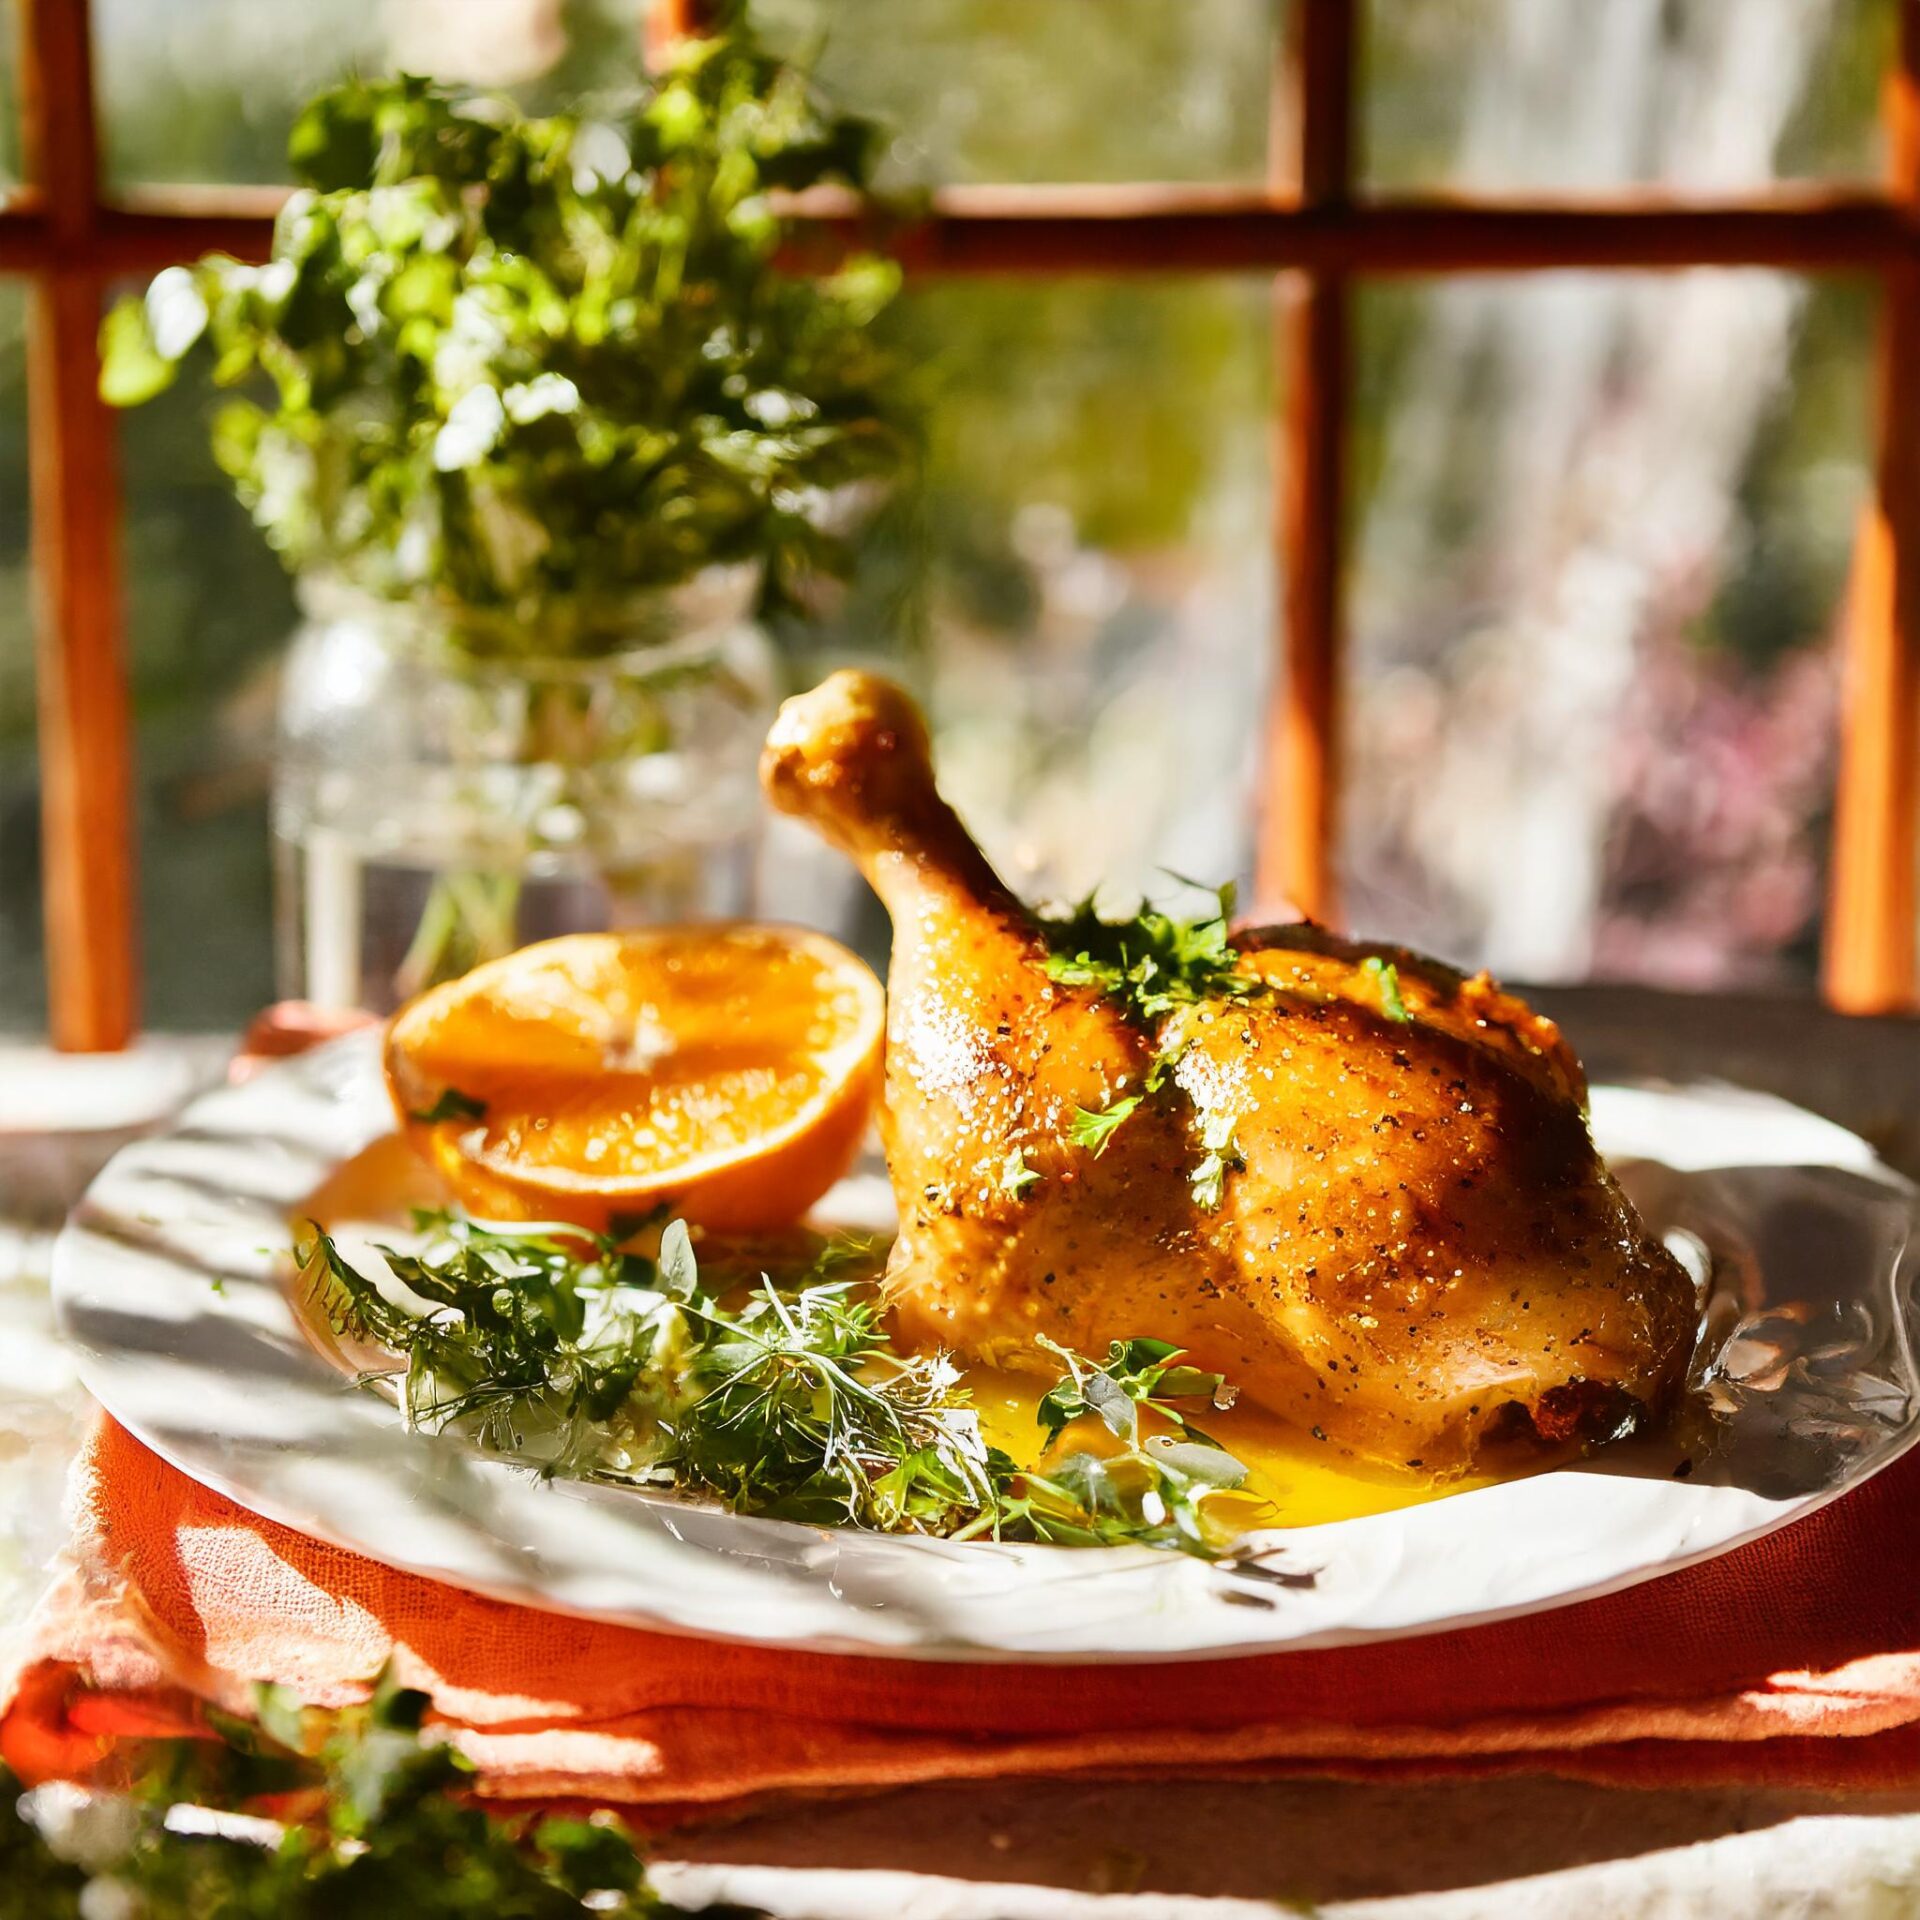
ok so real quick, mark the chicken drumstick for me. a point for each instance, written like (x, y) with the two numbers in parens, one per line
(1418, 1252)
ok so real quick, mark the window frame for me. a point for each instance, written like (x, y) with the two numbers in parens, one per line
(1310, 226)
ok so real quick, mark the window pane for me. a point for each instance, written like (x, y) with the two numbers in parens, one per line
(208, 610)
(1543, 96)
(205, 90)
(1099, 578)
(9, 96)
(1051, 89)
(23, 995)
(1603, 531)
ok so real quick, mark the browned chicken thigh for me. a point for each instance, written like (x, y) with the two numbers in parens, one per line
(1408, 1245)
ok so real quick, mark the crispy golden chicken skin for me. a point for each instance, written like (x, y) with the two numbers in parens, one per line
(1419, 1255)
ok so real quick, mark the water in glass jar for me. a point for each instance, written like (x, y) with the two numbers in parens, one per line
(359, 927)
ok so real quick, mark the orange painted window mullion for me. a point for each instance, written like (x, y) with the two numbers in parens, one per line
(1869, 959)
(86, 747)
(1145, 227)
(1296, 861)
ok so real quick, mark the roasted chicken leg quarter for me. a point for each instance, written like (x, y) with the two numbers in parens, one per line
(1409, 1248)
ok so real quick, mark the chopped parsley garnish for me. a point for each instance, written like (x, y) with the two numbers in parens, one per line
(1094, 1129)
(1387, 976)
(1151, 967)
(1223, 1156)
(1152, 963)
(452, 1105)
(579, 1356)
(1015, 1175)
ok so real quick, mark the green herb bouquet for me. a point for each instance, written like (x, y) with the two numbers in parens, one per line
(524, 368)
(539, 420)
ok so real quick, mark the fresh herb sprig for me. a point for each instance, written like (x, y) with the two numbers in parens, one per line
(579, 1355)
(532, 1340)
(1153, 1489)
(386, 1826)
(798, 1405)
(1136, 1373)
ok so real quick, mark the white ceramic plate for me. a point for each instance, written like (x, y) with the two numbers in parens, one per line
(172, 1281)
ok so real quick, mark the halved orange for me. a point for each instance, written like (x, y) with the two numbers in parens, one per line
(725, 1072)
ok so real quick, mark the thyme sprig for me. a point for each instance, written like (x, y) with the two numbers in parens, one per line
(512, 1334)
(1154, 1489)
(1136, 1373)
(798, 1405)
(579, 1355)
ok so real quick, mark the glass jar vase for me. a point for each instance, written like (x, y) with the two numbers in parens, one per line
(442, 798)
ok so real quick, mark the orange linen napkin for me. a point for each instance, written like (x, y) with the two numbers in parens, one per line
(1793, 1661)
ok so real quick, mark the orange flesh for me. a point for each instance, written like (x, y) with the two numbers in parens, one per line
(694, 1104)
